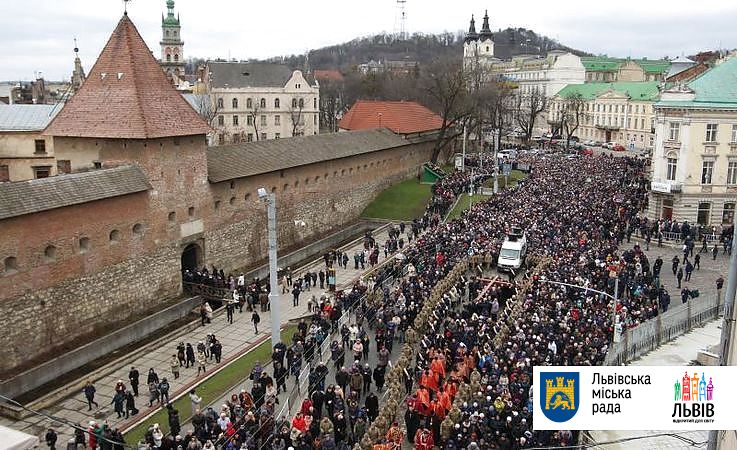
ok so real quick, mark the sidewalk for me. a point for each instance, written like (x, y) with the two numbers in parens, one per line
(703, 279)
(234, 337)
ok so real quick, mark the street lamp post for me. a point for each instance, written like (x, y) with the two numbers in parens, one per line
(270, 199)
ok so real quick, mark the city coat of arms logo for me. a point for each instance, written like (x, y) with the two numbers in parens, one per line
(559, 395)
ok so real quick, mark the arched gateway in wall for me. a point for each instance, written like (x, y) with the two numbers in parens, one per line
(191, 257)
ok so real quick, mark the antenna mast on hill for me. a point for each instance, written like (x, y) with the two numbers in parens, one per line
(401, 5)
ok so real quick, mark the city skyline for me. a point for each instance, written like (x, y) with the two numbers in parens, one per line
(641, 28)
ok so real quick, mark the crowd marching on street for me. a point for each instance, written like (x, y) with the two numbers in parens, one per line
(579, 215)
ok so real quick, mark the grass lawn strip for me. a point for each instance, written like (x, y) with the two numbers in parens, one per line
(403, 201)
(210, 389)
(462, 204)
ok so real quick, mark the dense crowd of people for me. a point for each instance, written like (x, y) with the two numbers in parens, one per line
(576, 214)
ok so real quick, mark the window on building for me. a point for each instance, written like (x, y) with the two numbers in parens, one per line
(263, 103)
(63, 166)
(235, 103)
(84, 244)
(711, 132)
(314, 103)
(50, 254)
(221, 120)
(707, 172)
(277, 120)
(249, 137)
(41, 171)
(734, 133)
(172, 216)
(190, 211)
(314, 119)
(40, 146)
(263, 120)
(221, 138)
(236, 138)
(301, 103)
(277, 135)
(4, 173)
(249, 103)
(137, 229)
(674, 131)
(220, 103)
(235, 121)
(176, 57)
(703, 213)
(728, 214)
(671, 168)
(11, 265)
(249, 120)
(732, 172)
(294, 103)
(114, 236)
(168, 58)
(277, 104)
(263, 136)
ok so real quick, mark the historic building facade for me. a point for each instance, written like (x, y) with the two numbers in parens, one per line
(261, 101)
(619, 112)
(84, 252)
(694, 169)
(25, 153)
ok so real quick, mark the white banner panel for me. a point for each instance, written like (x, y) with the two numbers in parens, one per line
(635, 398)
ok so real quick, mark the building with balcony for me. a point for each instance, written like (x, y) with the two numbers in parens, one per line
(694, 168)
(619, 112)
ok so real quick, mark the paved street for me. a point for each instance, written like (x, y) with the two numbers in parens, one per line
(234, 337)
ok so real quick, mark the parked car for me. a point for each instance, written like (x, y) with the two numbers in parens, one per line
(609, 145)
(597, 143)
(618, 148)
(586, 151)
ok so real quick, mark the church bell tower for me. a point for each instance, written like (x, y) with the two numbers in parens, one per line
(172, 46)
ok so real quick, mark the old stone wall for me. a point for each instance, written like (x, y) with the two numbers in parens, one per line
(116, 259)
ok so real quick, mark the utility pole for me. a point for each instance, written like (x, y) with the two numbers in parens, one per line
(270, 199)
(463, 160)
(727, 356)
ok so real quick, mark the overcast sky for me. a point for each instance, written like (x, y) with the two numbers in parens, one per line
(37, 35)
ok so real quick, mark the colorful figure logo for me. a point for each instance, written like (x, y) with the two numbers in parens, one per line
(559, 396)
(693, 389)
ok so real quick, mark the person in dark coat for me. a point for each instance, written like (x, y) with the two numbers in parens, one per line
(118, 403)
(379, 374)
(280, 375)
(372, 406)
(174, 426)
(133, 376)
(412, 422)
(51, 439)
(130, 405)
(190, 355)
(89, 393)
(153, 377)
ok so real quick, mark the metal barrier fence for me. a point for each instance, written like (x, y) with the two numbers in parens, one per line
(322, 353)
(667, 326)
(678, 237)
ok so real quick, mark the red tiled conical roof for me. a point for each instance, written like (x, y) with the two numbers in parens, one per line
(127, 96)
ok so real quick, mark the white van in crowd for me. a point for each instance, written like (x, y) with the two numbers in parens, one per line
(514, 250)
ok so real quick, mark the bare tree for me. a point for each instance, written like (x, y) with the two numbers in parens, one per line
(332, 104)
(206, 107)
(296, 116)
(528, 108)
(254, 110)
(445, 86)
(572, 114)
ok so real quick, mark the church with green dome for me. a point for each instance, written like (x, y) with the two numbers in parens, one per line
(172, 46)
